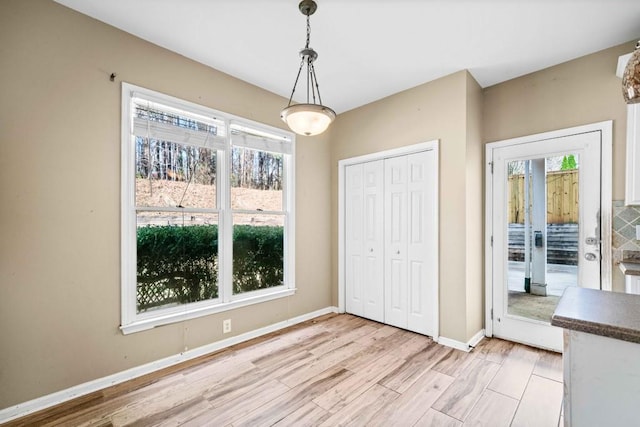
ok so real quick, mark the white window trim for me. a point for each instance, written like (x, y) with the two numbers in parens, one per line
(131, 321)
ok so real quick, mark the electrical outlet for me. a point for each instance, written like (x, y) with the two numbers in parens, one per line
(226, 326)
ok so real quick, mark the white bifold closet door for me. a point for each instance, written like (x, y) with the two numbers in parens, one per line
(364, 240)
(391, 240)
(410, 230)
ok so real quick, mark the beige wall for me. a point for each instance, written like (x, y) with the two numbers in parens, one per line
(435, 110)
(585, 90)
(474, 199)
(60, 208)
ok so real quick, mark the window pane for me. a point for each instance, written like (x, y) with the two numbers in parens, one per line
(169, 174)
(256, 180)
(258, 242)
(177, 259)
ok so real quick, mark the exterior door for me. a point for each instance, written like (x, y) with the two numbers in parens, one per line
(364, 240)
(545, 224)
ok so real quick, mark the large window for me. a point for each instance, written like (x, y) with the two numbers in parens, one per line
(207, 223)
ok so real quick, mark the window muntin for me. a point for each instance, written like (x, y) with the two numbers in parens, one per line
(194, 242)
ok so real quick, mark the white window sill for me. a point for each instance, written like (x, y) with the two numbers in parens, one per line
(150, 323)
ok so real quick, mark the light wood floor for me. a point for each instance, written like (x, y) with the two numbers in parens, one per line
(335, 370)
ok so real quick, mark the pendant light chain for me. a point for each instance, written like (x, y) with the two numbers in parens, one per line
(308, 60)
(312, 79)
(310, 118)
(306, 46)
(296, 82)
(310, 82)
(314, 82)
(310, 70)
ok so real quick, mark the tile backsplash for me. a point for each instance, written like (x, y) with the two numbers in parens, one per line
(625, 219)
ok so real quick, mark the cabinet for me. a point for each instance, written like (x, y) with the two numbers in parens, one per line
(391, 244)
(600, 358)
(632, 184)
(600, 380)
(631, 284)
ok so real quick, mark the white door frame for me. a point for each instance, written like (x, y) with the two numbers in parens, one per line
(342, 164)
(605, 129)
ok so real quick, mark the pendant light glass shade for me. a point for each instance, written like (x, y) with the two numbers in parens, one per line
(308, 119)
(631, 78)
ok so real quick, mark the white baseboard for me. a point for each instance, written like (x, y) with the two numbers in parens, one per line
(44, 402)
(466, 347)
(476, 338)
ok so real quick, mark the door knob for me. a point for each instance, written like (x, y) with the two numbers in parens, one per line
(590, 256)
(397, 252)
(370, 249)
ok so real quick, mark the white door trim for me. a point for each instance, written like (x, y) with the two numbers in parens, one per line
(342, 164)
(605, 129)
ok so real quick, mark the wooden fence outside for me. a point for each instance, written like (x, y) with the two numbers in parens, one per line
(562, 197)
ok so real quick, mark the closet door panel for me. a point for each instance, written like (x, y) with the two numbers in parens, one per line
(395, 262)
(421, 244)
(396, 305)
(354, 209)
(373, 224)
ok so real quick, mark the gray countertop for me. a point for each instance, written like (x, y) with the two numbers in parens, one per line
(609, 314)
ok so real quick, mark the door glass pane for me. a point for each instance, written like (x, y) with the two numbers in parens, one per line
(543, 231)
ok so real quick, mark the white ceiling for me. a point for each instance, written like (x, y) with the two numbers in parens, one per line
(369, 49)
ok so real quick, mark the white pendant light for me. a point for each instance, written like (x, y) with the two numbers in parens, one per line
(631, 78)
(310, 118)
